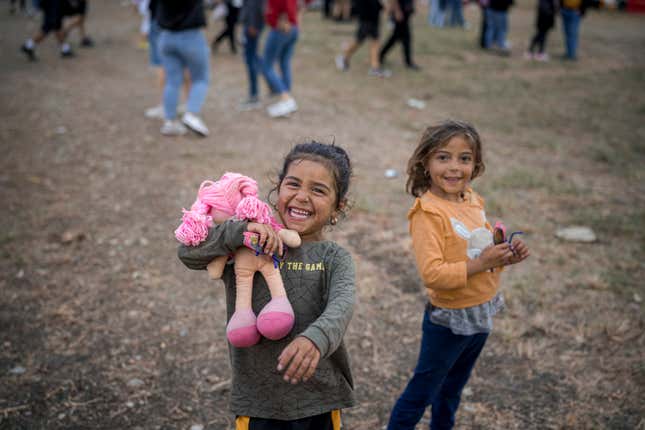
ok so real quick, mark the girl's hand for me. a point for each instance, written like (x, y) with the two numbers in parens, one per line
(520, 252)
(491, 257)
(269, 241)
(303, 356)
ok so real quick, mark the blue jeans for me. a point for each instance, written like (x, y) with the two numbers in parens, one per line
(456, 13)
(279, 46)
(436, 14)
(496, 28)
(252, 60)
(444, 366)
(570, 25)
(179, 50)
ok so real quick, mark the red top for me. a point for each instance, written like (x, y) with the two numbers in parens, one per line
(275, 8)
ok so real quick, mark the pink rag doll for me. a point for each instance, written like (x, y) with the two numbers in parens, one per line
(235, 195)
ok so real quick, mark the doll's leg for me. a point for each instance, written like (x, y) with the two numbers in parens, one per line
(276, 319)
(241, 330)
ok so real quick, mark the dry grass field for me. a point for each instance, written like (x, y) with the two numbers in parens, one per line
(101, 327)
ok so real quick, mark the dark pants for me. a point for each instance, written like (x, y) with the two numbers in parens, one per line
(444, 366)
(401, 33)
(252, 60)
(229, 30)
(544, 24)
(483, 29)
(52, 15)
(326, 421)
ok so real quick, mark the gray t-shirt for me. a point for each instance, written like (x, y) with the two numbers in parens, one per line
(319, 280)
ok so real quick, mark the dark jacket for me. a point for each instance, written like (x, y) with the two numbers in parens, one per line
(252, 14)
(178, 15)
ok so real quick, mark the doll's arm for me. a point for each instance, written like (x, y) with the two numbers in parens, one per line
(291, 238)
(222, 240)
(327, 331)
(216, 267)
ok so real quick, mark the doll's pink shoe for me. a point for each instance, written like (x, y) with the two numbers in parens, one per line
(276, 319)
(241, 330)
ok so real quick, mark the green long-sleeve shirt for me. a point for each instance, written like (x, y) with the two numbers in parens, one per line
(319, 280)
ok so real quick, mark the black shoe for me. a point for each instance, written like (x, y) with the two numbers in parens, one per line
(29, 52)
(413, 66)
(87, 42)
(67, 54)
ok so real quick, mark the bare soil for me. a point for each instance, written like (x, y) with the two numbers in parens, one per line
(101, 327)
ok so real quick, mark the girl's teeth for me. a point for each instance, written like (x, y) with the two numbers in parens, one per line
(299, 214)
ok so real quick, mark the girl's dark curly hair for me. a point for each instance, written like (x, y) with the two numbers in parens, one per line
(332, 156)
(436, 137)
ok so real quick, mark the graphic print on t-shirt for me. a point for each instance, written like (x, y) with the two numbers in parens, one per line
(478, 239)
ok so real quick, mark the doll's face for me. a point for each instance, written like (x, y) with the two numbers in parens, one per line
(219, 216)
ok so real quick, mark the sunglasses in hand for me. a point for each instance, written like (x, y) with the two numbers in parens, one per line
(499, 235)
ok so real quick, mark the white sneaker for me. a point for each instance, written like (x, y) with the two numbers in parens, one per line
(282, 108)
(155, 112)
(379, 73)
(173, 128)
(195, 123)
(341, 63)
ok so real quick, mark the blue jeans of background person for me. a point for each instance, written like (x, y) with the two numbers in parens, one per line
(456, 13)
(444, 366)
(153, 44)
(496, 28)
(179, 50)
(252, 59)
(436, 14)
(570, 25)
(279, 46)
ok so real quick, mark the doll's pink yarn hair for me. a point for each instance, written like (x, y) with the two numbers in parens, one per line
(234, 195)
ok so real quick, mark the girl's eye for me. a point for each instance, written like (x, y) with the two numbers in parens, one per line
(442, 157)
(292, 184)
(466, 158)
(319, 191)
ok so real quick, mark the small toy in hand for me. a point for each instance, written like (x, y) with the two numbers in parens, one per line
(499, 235)
(235, 196)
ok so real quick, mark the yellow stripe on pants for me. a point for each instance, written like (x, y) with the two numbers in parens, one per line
(242, 423)
(335, 419)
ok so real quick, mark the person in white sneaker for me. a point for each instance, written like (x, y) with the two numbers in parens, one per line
(282, 17)
(369, 16)
(148, 8)
(52, 21)
(182, 45)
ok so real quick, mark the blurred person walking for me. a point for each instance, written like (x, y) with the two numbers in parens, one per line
(437, 13)
(282, 17)
(149, 9)
(252, 20)
(52, 21)
(369, 17)
(544, 23)
(572, 11)
(232, 14)
(182, 45)
(77, 11)
(456, 14)
(400, 13)
(497, 25)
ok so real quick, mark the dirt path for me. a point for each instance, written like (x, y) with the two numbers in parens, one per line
(101, 327)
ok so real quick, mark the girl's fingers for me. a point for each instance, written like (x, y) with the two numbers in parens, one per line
(312, 367)
(303, 367)
(286, 356)
(290, 374)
